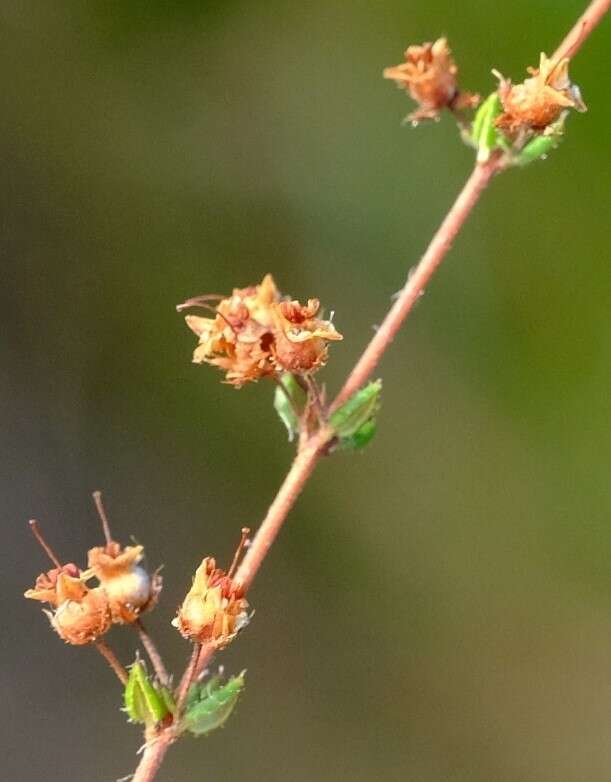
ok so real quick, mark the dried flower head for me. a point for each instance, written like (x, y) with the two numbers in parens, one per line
(255, 333)
(82, 614)
(429, 74)
(540, 100)
(215, 608)
(131, 590)
(300, 338)
(45, 588)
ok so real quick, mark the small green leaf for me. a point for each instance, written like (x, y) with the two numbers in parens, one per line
(354, 422)
(144, 703)
(484, 135)
(290, 402)
(540, 146)
(200, 690)
(211, 704)
(361, 437)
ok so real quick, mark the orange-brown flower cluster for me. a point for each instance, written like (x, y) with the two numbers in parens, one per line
(540, 100)
(429, 74)
(214, 609)
(256, 333)
(80, 615)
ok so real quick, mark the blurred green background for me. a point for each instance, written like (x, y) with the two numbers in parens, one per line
(438, 608)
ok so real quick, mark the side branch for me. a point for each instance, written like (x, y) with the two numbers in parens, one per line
(153, 653)
(111, 658)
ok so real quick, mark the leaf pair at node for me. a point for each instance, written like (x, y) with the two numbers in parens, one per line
(208, 706)
(353, 423)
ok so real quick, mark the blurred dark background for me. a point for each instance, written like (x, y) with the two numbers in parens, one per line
(438, 608)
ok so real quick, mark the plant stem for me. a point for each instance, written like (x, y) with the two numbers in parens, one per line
(185, 682)
(314, 447)
(309, 454)
(153, 653)
(300, 471)
(419, 277)
(112, 660)
(582, 28)
(153, 756)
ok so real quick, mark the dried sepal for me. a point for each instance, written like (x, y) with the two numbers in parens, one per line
(300, 338)
(255, 333)
(429, 74)
(539, 100)
(45, 588)
(215, 608)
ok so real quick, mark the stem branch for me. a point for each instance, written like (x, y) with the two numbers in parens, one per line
(185, 682)
(153, 653)
(314, 447)
(582, 28)
(419, 277)
(291, 487)
(110, 657)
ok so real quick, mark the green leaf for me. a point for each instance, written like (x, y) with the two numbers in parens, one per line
(540, 146)
(484, 135)
(200, 690)
(144, 703)
(290, 402)
(354, 422)
(210, 704)
(361, 437)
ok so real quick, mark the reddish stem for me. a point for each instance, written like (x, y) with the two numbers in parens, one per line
(153, 653)
(582, 28)
(419, 277)
(110, 657)
(153, 756)
(314, 447)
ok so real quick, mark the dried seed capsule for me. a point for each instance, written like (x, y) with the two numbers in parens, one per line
(214, 609)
